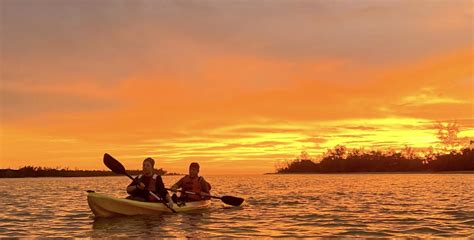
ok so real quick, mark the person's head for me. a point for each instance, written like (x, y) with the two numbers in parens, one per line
(148, 165)
(194, 169)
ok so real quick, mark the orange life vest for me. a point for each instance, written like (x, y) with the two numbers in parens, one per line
(192, 185)
(150, 186)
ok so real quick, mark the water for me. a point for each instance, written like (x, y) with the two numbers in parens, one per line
(351, 205)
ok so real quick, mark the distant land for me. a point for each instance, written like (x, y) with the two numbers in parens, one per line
(32, 171)
(341, 160)
(337, 160)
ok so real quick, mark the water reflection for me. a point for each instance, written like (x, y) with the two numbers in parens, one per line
(358, 205)
(134, 226)
(190, 224)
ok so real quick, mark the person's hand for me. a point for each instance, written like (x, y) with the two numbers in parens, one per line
(141, 186)
(170, 204)
(174, 188)
(168, 200)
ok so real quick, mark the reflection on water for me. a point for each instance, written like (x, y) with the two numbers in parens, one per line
(165, 225)
(365, 205)
(128, 226)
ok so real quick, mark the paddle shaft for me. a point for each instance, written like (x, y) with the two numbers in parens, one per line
(150, 192)
(230, 200)
(194, 193)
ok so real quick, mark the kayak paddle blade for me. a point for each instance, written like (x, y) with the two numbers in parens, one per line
(114, 165)
(234, 201)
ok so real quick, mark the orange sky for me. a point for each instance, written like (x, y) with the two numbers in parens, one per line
(235, 85)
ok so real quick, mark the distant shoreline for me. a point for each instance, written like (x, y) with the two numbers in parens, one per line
(335, 173)
(1, 177)
(37, 172)
(340, 160)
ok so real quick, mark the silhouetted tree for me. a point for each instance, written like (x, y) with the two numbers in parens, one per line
(31, 171)
(341, 160)
(447, 133)
(301, 164)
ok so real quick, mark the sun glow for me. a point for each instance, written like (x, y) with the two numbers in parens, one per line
(234, 94)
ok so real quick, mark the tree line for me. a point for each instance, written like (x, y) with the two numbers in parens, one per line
(340, 160)
(32, 171)
(455, 154)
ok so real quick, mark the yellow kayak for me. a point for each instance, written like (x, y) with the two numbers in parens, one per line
(107, 206)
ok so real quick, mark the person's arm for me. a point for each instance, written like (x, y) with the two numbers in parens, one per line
(160, 189)
(178, 184)
(133, 187)
(204, 185)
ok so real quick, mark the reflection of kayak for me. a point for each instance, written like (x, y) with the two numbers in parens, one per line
(106, 206)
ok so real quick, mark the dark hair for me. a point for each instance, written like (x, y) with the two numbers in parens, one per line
(194, 165)
(152, 162)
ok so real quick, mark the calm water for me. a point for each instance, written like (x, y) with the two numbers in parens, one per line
(351, 205)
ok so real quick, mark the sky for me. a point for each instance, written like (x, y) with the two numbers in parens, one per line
(235, 85)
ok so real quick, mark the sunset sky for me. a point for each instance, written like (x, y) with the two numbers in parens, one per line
(234, 85)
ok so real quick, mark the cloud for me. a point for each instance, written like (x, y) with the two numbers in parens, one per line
(19, 105)
(361, 128)
(353, 135)
(315, 140)
(110, 41)
(230, 82)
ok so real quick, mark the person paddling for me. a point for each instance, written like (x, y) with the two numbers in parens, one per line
(192, 183)
(148, 181)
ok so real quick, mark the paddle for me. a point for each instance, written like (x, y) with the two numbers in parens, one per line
(229, 200)
(117, 167)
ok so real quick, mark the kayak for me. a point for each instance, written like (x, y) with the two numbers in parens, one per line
(103, 205)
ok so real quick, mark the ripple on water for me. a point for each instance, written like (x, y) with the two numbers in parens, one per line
(363, 233)
(364, 205)
(468, 222)
(425, 230)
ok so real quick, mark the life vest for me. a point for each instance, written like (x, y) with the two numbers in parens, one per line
(192, 185)
(150, 186)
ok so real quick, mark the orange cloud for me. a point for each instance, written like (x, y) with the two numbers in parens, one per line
(186, 99)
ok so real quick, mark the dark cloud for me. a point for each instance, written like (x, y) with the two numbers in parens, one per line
(354, 135)
(264, 130)
(255, 146)
(317, 140)
(363, 128)
(110, 40)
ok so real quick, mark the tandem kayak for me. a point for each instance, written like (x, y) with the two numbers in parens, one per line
(103, 205)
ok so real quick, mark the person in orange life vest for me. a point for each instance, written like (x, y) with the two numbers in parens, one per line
(148, 181)
(192, 183)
